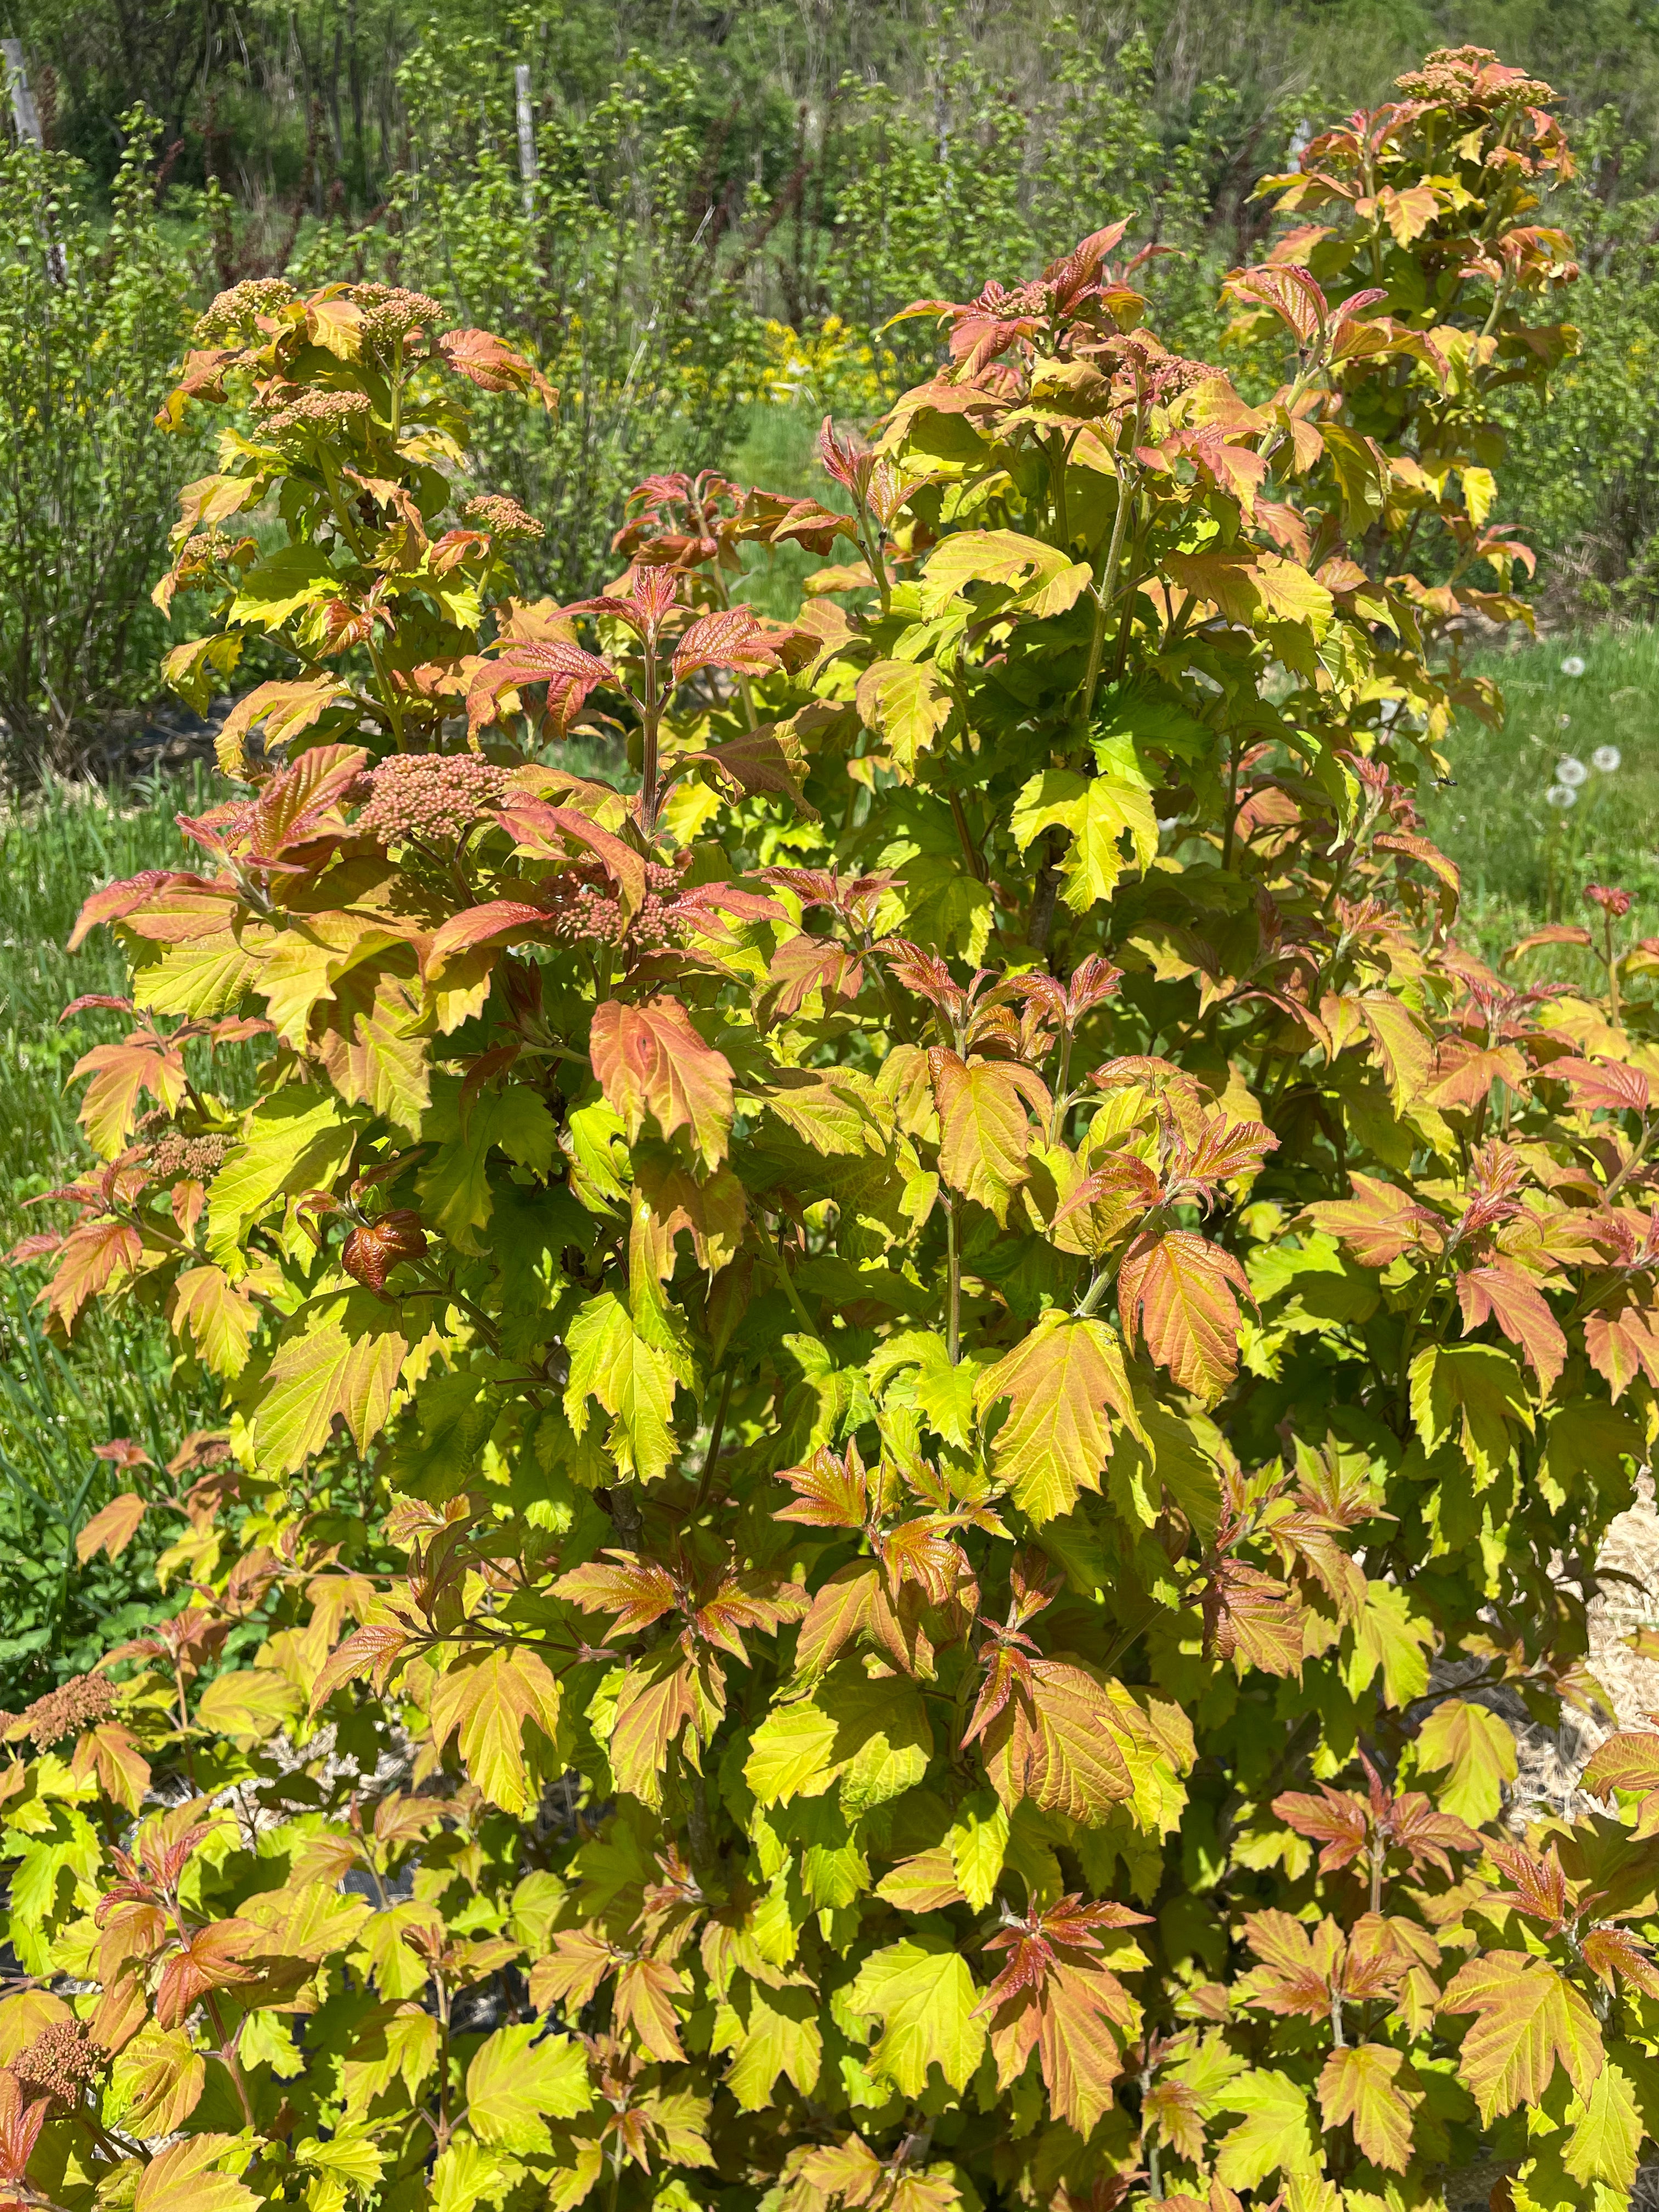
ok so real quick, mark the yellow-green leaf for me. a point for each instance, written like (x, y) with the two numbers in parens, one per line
(921, 1991)
(516, 2083)
(1476, 1751)
(906, 703)
(488, 1700)
(187, 2176)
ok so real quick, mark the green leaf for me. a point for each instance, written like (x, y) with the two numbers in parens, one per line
(633, 1379)
(250, 1703)
(1099, 812)
(220, 1317)
(298, 1138)
(942, 1393)
(350, 2154)
(921, 1991)
(979, 1840)
(769, 2032)
(1607, 2140)
(883, 1739)
(331, 1369)
(1476, 1750)
(1041, 578)
(465, 2174)
(1387, 1636)
(516, 2084)
(287, 579)
(1276, 2134)
(1473, 1393)
(906, 703)
(792, 1754)
(454, 1186)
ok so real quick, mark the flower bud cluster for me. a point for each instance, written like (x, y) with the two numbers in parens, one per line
(429, 795)
(497, 513)
(233, 311)
(390, 312)
(583, 911)
(62, 2062)
(199, 1157)
(1455, 74)
(79, 1704)
(315, 411)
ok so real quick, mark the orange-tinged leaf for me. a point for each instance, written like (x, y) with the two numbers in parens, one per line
(1617, 1955)
(286, 708)
(111, 1753)
(1250, 1615)
(1506, 1294)
(1529, 2020)
(1629, 1760)
(1362, 2086)
(336, 326)
(1074, 2017)
(1463, 1073)
(537, 827)
(91, 1258)
(112, 1528)
(1608, 1084)
(1176, 1291)
(1054, 1743)
(1622, 1345)
(219, 1315)
(121, 1074)
(491, 364)
(645, 1989)
(187, 2176)
(374, 1649)
(730, 637)
(650, 1060)
(924, 1883)
(20, 2127)
(488, 1701)
(210, 1959)
(841, 1609)
(1379, 1222)
(653, 1705)
(984, 1136)
(1062, 1384)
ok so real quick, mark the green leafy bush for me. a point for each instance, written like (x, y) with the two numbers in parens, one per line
(90, 325)
(872, 1367)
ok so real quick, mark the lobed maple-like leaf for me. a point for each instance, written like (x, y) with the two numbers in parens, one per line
(1528, 2022)
(1175, 1293)
(1369, 2087)
(650, 1060)
(1380, 1223)
(1063, 1384)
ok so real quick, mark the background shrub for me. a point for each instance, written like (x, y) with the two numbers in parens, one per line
(92, 316)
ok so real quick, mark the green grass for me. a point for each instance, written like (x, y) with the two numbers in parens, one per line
(1524, 861)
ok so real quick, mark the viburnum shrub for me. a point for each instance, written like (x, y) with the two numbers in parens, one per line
(901, 1385)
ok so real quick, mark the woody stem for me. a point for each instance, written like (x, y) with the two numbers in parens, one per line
(953, 1309)
(228, 2056)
